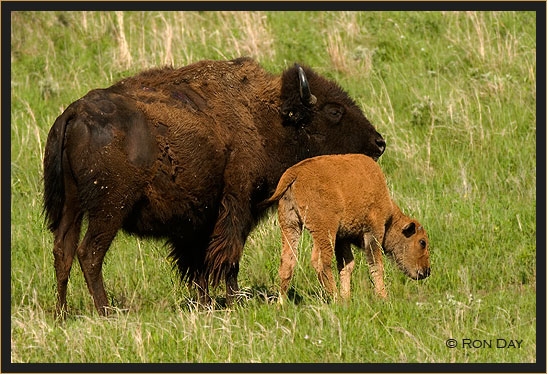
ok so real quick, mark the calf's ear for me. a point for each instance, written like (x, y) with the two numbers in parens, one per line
(409, 229)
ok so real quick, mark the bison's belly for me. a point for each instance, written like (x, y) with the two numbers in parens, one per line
(146, 220)
(173, 213)
(178, 201)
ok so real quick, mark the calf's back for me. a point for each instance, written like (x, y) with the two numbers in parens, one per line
(350, 189)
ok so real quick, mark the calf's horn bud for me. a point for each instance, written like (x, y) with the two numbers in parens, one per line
(305, 93)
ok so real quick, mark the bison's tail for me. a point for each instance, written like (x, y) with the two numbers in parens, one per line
(284, 183)
(54, 188)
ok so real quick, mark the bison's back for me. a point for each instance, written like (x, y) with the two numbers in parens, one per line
(206, 88)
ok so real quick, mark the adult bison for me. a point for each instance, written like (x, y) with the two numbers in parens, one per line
(187, 154)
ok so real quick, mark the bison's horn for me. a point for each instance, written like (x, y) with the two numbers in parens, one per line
(305, 92)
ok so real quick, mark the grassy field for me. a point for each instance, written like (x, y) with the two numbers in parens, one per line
(454, 96)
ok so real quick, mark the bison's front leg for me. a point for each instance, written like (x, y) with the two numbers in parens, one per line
(232, 288)
(226, 246)
(202, 285)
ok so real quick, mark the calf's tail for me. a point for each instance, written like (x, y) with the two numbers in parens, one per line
(54, 188)
(284, 183)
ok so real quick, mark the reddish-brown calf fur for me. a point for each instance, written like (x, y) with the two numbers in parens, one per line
(343, 200)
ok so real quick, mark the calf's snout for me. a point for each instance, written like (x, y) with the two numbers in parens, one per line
(424, 273)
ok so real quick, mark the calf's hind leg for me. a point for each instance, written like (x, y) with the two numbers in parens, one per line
(291, 229)
(324, 241)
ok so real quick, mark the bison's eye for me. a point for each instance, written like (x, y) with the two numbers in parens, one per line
(334, 112)
(422, 243)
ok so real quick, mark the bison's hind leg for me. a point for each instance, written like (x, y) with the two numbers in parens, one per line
(66, 237)
(101, 231)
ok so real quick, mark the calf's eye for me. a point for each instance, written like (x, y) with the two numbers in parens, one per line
(422, 243)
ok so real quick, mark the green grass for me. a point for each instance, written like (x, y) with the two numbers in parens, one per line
(454, 96)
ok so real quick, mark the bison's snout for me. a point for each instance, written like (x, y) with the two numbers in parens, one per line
(381, 147)
(381, 143)
(423, 273)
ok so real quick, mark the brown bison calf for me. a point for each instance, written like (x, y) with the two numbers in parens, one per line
(343, 200)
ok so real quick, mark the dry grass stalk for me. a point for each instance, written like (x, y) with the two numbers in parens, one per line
(255, 39)
(124, 58)
(346, 53)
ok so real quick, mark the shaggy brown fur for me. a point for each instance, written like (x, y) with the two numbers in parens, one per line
(343, 200)
(186, 154)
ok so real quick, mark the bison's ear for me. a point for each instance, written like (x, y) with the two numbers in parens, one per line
(297, 99)
(409, 230)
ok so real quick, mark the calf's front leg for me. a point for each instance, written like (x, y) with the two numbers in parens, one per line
(373, 254)
(345, 263)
